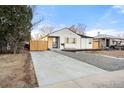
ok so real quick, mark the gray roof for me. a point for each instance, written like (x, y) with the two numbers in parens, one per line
(106, 36)
(83, 36)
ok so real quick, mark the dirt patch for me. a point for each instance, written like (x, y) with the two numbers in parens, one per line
(115, 53)
(16, 71)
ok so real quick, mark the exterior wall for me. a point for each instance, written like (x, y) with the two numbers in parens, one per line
(111, 42)
(86, 43)
(102, 43)
(65, 33)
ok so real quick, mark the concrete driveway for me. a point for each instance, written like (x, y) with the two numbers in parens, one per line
(52, 68)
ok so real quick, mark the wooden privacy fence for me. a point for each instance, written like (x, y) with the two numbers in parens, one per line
(38, 45)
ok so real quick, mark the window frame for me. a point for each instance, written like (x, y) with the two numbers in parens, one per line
(70, 40)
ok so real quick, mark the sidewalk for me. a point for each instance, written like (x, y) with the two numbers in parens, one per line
(113, 79)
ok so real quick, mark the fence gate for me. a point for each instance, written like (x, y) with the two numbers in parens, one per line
(38, 45)
(95, 44)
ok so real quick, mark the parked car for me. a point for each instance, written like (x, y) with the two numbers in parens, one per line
(117, 47)
(27, 46)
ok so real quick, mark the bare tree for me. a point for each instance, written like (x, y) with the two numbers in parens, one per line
(36, 23)
(37, 36)
(46, 30)
(79, 28)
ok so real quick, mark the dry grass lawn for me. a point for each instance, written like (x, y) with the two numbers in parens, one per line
(114, 53)
(17, 71)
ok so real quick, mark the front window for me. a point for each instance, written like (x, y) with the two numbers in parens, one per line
(67, 40)
(70, 40)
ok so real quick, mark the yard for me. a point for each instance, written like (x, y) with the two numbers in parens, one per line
(17, 71)
(115, 53)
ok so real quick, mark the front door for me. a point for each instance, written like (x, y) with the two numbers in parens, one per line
(107, 42)
(55, 42)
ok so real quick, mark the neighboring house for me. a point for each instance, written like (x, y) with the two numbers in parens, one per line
(104, 41)
(66, 38)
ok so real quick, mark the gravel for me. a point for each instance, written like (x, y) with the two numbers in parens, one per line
(106, 63)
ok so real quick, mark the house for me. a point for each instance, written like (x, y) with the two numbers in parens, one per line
(102, 41)
(68, 39)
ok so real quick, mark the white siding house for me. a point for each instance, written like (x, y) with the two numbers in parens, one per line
(66, 38)
(86, 43)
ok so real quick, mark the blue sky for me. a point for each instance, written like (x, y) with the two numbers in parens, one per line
(106, 19)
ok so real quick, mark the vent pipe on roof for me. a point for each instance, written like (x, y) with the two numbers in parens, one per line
(98, 33)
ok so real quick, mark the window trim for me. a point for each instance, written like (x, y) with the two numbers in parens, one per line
(70, 40)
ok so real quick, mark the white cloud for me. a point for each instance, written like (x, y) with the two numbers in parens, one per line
(113, 32)
(120, 7)
(113, 22)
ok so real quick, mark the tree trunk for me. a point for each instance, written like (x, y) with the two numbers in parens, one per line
(3, 47)
(15, 47)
